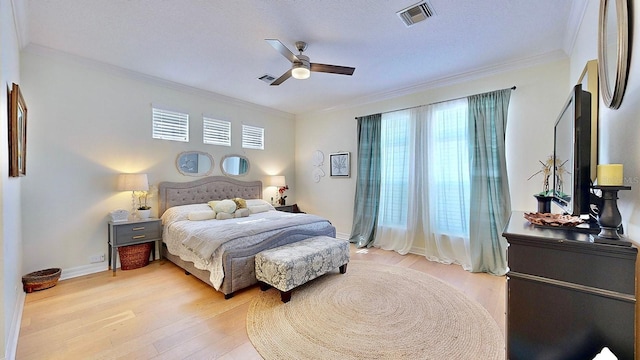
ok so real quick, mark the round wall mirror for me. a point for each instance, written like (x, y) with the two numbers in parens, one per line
(234, 165)
(194, 163)
(613, 50)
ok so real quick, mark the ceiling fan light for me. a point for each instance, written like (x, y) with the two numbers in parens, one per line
(299, 71)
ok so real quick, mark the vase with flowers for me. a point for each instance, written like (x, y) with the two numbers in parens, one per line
(144, 210)
(551, 166)
(281, 197)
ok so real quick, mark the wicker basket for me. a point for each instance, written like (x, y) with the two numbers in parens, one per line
(40, 280)
(134, 256)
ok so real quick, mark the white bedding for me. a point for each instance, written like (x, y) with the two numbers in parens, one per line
(178, 229)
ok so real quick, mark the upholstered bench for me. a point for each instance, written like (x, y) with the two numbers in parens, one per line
(292, 265)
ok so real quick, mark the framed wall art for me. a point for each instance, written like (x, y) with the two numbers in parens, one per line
(340, 164)
(17, 133)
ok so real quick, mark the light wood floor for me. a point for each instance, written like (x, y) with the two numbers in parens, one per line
(157, 312)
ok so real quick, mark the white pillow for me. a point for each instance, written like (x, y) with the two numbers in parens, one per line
(179, 213)
(253, 202)
(224, 216)
(258, 206)
(225, 206)
(202, 215)
(244, 212)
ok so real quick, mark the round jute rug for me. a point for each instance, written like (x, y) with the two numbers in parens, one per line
(373, 311)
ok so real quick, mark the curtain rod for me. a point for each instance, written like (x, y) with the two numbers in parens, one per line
(437, 102)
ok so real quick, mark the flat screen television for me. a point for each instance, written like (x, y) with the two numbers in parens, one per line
(572, 153)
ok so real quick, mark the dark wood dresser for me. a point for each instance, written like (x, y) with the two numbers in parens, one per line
(567, 297)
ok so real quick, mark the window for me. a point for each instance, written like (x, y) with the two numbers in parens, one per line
(394, 169)
(449, 174)
(170, 125)
(216, 132)
(252, 137)
(446, 150)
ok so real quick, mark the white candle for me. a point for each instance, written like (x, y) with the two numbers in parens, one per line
(610, 175)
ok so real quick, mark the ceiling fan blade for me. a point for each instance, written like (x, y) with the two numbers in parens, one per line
(333, 69)
(282, 49)
(282, 78)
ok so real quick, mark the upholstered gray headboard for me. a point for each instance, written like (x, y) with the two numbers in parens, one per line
(206, 189)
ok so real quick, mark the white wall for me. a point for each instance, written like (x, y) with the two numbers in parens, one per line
(534, 106)
(10, 188)
(89, 122)
(619, 129)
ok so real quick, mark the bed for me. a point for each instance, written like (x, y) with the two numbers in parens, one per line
(231, 266)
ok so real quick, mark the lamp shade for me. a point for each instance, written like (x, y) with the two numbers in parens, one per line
(133, 182)
(278, 180)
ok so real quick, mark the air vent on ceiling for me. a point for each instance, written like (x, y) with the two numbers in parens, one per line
(416, 13)
(267, 78)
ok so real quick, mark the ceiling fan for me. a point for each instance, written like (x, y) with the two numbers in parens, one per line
(301, 67)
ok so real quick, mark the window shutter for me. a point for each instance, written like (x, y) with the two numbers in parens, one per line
(170, 125)
(216, 132)
(252, 137)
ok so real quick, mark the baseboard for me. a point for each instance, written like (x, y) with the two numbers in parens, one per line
(14, 330)
(90, 269)
(83, 270)
(342, 236)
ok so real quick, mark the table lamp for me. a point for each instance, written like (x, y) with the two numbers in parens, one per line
(133, 183)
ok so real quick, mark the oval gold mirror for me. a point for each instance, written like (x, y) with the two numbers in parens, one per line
(234, 165)
(613, 50)
(194, 163)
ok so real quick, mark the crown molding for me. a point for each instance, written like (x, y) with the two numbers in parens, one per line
(149, 79)
(452, 80)
(20, 21)
(576, 16)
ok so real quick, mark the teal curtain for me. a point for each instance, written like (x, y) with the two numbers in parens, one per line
(367, 200)
(490, 198)
(243, 166)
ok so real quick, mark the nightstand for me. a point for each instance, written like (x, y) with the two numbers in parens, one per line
(131, 233)
(289, 208)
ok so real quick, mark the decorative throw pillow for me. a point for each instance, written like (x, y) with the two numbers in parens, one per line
(240, 203)
(225, 206)
(260, 208)
(202, 215)
(258, 205)
(241, 213)
(213, 204)
(181, 212)
(224, 216)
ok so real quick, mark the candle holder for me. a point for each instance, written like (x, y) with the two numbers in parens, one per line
(609, 217)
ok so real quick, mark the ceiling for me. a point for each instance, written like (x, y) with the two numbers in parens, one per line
(219, 46)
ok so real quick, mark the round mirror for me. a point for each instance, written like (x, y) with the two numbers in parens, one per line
(234, 165)
(613, 50)
(194, 163)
